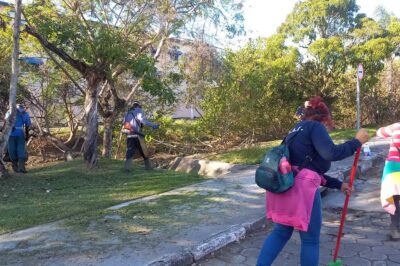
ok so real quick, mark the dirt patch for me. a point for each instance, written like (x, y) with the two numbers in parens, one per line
(42, 151)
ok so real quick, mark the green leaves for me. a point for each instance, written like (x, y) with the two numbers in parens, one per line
(313, 19)
(257, 94)
(265, 81)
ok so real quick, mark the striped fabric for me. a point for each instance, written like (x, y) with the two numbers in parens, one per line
(394, 132)
(390, 182)
(390, 185)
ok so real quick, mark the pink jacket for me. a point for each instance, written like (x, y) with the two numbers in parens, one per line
(293, 207)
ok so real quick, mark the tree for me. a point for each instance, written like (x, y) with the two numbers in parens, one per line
(5, 63)
(13, 85)
(54, 100)
(333, 39)
(263, 82)
(371, 48)
(258, 81)
(320, 29)
(103, 40)
(314, 19)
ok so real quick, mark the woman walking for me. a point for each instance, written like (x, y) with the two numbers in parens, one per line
(311, 153)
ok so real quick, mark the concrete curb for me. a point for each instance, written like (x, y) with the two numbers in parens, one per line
(204, 167)
(214, 243)
(235, 233)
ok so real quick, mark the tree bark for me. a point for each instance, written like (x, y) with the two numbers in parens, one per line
(108, 136)
(13, 86)
(73, 127)
(91, 115)
(110, 106)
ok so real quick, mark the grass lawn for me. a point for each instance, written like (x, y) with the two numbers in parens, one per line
(254, 154)
(251, 155)
(62, 190)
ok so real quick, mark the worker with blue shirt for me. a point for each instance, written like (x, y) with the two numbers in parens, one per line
(133, 123)
(16, 142)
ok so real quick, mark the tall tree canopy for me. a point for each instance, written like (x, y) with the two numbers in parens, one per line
(316, 52)
(104, 39)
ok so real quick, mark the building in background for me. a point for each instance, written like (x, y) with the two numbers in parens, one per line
(171, 56)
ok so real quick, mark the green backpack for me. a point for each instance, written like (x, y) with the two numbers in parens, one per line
(268, 175)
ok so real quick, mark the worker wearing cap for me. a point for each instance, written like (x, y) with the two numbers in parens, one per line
(18, 136)
(133, 123)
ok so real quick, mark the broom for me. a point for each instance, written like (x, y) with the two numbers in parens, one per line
(338, 262)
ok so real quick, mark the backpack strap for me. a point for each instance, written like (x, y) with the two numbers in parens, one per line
(133, 115)
(140, 125)
(291, 140)
(308, 158)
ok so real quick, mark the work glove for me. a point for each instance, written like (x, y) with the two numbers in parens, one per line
(155, 126)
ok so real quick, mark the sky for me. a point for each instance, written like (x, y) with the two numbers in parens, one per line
(263, 17)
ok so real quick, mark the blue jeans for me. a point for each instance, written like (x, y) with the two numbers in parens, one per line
(309, 240)
(16, 148)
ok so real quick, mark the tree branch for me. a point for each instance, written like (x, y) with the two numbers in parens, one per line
(65, 71)
(133, 90)
(105, 13)
(82, 18)
(78, 65)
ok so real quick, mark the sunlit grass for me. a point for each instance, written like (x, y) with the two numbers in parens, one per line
(250, 155)
(62, 190)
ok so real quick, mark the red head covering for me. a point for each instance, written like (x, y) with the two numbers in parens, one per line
(317, 110)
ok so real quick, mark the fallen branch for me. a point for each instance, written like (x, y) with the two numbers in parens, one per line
(54, 141)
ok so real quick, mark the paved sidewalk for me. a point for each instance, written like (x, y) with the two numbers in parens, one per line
(365, 241)
(178, 227)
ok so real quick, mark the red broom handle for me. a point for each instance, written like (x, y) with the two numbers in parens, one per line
(346, 203)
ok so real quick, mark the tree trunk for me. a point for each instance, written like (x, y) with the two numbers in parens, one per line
(13, 86)
(109, 108)
(108, 136)
(73, 127)
(91, 135)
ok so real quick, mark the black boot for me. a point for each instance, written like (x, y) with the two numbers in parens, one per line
(394, 226)
(21, 166)
(148, 165)
(128, 165)
(14, 165)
